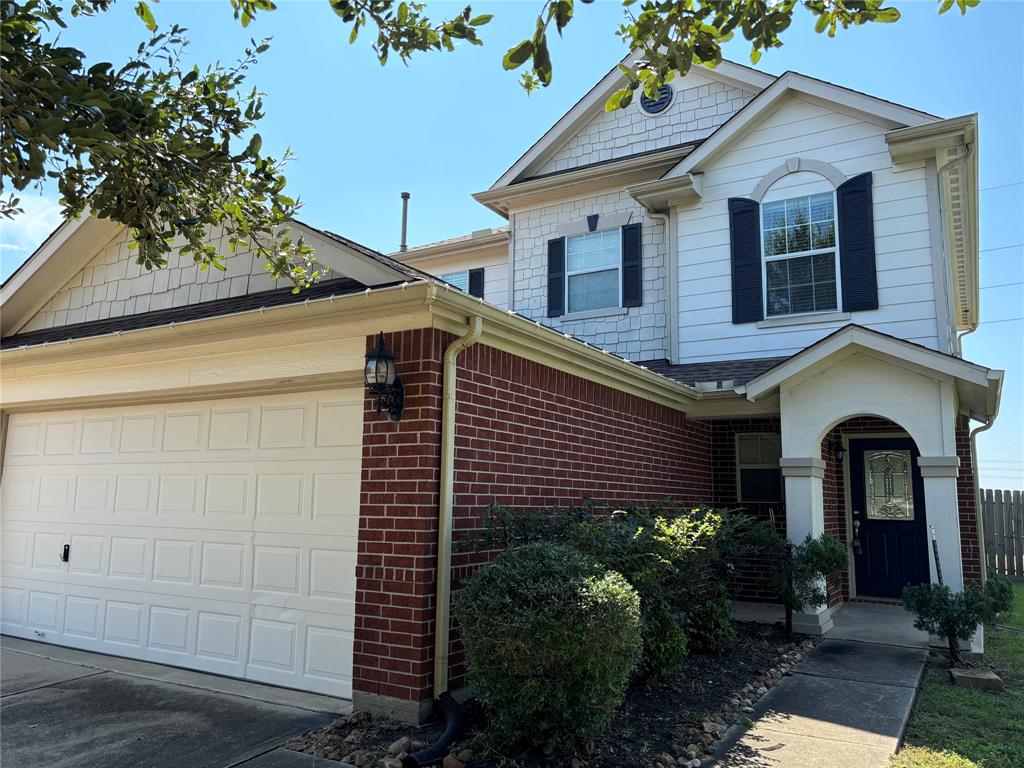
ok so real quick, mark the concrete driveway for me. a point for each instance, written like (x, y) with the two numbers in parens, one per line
(61, 708)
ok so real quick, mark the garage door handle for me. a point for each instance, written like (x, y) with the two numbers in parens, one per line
(66, 554)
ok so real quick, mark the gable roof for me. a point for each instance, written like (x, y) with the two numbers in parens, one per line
(73, 244)
(978, 388)
(880, 110)
(592, 104)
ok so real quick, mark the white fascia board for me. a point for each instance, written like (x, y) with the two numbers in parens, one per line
(593, 103)
(845, 341)
(348, 261)
(66, 251)
(792, 82)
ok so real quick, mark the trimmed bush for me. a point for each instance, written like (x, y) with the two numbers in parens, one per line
(955, 616)
(551, 639)
(665, 551)
(709, 625)
(665, 645)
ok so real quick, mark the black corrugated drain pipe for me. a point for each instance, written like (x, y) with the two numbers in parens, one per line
(454, 722)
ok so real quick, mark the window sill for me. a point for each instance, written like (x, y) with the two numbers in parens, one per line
(809, 319)
(594, 314)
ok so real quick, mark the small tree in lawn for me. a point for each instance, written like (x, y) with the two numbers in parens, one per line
(955, 616)
(798, 573)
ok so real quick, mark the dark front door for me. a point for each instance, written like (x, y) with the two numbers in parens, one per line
(887, 498)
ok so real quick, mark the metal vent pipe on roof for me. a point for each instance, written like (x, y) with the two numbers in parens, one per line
(403, 246)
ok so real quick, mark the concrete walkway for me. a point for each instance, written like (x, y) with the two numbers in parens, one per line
(845, 706)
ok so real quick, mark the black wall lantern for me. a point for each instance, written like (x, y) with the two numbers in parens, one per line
(382, 380)
(837, 450)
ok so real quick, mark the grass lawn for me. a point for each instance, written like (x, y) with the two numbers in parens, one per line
(953, 727)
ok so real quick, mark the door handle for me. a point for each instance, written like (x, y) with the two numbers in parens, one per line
(65, 555)
(856, 535)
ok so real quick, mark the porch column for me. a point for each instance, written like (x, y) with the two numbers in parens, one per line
(805, 514)
(942, 512)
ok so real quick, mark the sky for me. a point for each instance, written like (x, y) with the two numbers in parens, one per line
(449, 124)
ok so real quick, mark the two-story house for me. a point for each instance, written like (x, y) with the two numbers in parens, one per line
(748, 291)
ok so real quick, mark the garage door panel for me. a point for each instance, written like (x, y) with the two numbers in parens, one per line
(219, 536)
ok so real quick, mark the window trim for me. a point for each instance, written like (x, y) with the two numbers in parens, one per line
(740, 467)
(573, 273)
(800, 254)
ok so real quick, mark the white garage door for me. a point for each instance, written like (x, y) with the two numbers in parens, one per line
(219, 536)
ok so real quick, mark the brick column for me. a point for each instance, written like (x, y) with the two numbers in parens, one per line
(395, 565)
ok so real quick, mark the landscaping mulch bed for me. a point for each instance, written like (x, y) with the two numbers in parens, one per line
(660, 724)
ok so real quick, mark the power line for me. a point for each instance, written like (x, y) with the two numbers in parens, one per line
(1001, 248)
(1002, 285)
(1002, 320)
(1002, 186)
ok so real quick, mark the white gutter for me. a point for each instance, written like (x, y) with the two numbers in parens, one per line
(449, 403)
(986, 425)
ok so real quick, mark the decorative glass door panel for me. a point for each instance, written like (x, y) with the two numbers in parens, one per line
(888, 485)
(890, 544)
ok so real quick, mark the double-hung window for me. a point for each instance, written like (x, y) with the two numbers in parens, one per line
(801, 258)
(758, 477)
(593, 264)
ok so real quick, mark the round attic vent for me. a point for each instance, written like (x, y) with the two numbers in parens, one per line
(660, 104)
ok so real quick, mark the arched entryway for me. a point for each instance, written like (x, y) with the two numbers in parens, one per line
(873, 499)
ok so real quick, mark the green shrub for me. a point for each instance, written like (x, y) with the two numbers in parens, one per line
(551, 639)
(665, 645)
(664, 550)
(798, 574)
(709, 625)
(955, 616)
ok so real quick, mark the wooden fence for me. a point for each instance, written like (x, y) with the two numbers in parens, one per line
(1003, 522)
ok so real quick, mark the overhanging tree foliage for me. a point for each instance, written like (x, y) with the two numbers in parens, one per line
(171, 152)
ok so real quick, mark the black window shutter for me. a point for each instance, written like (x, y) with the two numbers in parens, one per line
(632, 266)
(476, 282)
(556, 277)
(745, 244)
(857, 244)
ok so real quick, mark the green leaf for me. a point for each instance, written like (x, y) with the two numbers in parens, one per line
(518, 55)
(946, 5)
(755, 55)
(254, 145)
(479, 21)
(887, 15)
(143, 12)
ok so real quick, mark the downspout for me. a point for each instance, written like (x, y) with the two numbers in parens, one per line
(444, 520)
(672, 268)
(977, 486)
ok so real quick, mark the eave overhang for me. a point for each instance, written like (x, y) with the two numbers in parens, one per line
(661, 194)
(978, 388)
(952, 144)
(582, 181)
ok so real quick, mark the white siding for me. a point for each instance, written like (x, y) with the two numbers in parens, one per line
(495, 273)
(113, 285)
(638, 333)
(700, 104)
(800, 128)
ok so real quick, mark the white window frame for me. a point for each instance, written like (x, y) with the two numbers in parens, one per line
(605, 268)
(784, 256)
(739, 467)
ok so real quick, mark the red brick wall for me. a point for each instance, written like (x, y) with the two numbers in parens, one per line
(531, 437)
(748, 583)
(528, 437)
(969, 547)
(395, 580)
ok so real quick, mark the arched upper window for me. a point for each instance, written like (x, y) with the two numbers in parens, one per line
(799, 246)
